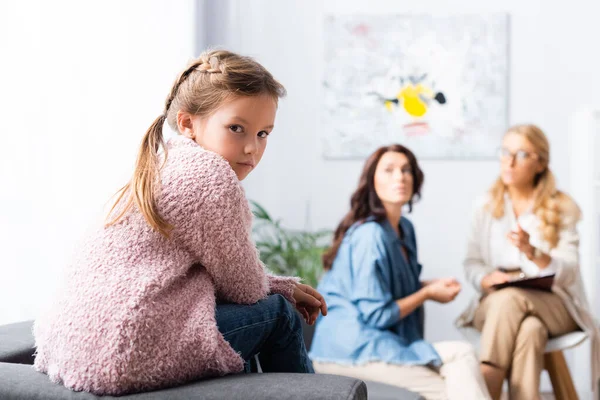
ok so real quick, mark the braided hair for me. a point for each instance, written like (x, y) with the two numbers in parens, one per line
(208, 81)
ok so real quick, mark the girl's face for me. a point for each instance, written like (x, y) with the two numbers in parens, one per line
(519, 162)
(238, 130)
(394, 179)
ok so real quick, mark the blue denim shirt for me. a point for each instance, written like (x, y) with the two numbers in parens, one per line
(363, 323)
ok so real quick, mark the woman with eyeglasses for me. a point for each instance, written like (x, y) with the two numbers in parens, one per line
(524, 223)
(374, 293)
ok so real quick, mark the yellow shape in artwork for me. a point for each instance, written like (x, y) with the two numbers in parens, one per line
(411, 101)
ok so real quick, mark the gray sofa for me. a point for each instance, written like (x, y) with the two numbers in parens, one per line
(19, 381)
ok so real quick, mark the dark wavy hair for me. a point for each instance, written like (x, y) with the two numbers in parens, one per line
(365, 203)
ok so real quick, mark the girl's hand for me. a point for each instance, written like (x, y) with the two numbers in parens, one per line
(443, 290)
(309, 302)
(520, 239)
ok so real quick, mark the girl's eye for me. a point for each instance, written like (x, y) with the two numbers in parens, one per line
(236, 128)
(263, 134)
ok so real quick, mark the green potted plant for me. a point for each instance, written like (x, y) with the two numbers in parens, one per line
(289, 252)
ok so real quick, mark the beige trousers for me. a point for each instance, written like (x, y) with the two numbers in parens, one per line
(515, 325)
(458, 378)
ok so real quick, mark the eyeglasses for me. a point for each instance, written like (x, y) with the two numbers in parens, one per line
(519, 156)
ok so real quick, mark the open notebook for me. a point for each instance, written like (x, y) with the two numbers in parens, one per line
(542, 282)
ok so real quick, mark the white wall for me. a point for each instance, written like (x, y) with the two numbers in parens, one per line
(553, 71)
(80, 82)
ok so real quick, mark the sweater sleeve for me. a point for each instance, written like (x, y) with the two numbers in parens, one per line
(474, 264)
(212, 221)
(226, 248)
(565, 256)
(284, 286)
(204, 201)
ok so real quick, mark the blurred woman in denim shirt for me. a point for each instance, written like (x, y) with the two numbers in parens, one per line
(374, 293)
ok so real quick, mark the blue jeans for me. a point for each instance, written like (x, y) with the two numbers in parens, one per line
(270, 328)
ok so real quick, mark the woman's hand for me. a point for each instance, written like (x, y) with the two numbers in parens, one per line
(309, 302)
(494, 278)
(443, 290)
(520, 239)
(449, 281)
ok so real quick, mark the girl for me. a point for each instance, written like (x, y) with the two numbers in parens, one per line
(171, 289)
(375, 328)
(525, 222)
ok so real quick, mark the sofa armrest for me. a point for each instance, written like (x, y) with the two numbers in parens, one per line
(16, 343)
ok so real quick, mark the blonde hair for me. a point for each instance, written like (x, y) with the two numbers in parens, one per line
(550, 205)
(208, 81)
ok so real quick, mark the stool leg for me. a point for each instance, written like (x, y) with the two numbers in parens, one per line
(562, 384)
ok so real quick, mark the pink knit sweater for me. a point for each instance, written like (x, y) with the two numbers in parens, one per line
(138, 310)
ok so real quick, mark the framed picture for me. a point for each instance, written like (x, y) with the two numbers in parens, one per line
(436, 84)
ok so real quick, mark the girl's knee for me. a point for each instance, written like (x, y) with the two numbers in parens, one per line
(278, 302)
(282, 307)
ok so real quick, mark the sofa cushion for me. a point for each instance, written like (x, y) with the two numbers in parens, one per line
(16, 343)
(20, 382)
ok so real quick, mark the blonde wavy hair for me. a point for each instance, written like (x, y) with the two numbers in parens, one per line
(550, 204)
(210, 80)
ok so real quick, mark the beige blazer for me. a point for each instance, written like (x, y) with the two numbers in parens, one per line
(482, 258)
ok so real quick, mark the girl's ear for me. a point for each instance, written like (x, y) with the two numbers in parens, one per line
(185, 125)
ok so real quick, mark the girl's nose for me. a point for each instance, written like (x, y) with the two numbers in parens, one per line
(251, 146)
